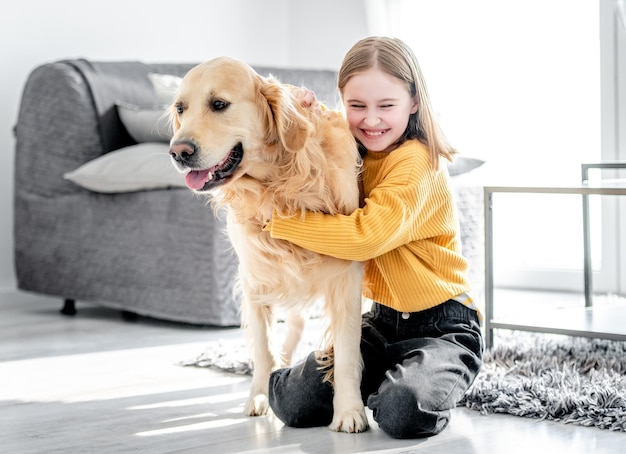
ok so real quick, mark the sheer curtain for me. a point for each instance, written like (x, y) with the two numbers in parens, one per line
(516, 83)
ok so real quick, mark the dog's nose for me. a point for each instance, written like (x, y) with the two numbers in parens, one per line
(182, 151)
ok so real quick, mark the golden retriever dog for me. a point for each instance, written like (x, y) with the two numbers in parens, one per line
(248, 142)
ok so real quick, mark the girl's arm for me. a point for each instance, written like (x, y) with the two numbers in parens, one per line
(395, 213)
(366, 233)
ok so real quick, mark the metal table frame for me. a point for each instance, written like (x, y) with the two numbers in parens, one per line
(588, 272)
(585, 191)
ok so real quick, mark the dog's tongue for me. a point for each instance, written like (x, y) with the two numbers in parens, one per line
(196, 179)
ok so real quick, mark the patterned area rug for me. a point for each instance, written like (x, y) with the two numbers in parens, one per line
(573, 380)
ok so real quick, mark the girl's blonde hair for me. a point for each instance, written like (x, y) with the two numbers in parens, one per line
(394, 57)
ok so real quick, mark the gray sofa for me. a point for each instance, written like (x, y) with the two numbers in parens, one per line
(158, 252)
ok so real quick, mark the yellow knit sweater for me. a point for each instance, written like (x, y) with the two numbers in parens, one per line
(406, 231)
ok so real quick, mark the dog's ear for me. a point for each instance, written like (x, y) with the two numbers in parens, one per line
(285, 123)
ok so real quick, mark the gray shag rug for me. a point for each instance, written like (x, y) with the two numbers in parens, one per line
(559, 378)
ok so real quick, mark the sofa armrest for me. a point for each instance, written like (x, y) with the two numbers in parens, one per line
(68, 117)
(468, 197)
(56, 131)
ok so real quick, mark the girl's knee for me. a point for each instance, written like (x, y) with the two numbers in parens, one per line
(400, 414)
(299, 397)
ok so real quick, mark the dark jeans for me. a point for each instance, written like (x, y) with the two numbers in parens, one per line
(416, 369)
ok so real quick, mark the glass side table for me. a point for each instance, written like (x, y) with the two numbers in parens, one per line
(605, 323)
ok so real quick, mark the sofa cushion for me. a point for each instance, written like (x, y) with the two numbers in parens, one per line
(165, 86)
(139, 167)
(145, 124)
(462, 165)
(149, 123)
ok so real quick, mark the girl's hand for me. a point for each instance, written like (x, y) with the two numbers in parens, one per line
(305, 96)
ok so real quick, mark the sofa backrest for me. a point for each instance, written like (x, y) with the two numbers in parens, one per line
(322, 81)
(111, 82)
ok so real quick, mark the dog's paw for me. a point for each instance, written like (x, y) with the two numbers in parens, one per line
(256, 405)
(351, 421)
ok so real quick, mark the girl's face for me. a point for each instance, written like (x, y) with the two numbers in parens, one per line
(377, 108)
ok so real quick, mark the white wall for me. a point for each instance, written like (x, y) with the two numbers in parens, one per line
(298, 33)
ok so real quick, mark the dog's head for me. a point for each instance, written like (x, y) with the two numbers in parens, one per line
(228, 121)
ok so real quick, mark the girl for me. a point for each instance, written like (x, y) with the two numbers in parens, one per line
(421, 341)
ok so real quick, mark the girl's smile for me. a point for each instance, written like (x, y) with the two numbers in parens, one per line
(374, 133)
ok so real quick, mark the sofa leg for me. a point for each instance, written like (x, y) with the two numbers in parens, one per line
(69, 307)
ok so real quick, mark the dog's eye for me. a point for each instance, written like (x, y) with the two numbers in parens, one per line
(179, 109)
(218, 104)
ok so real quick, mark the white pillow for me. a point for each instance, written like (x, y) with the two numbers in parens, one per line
(136, 168)
(145, 124)
(462, 165)
(165, 86)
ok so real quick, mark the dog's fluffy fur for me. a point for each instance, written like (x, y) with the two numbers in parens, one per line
(247, 140)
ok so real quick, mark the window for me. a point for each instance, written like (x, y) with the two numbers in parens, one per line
(524, 86)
